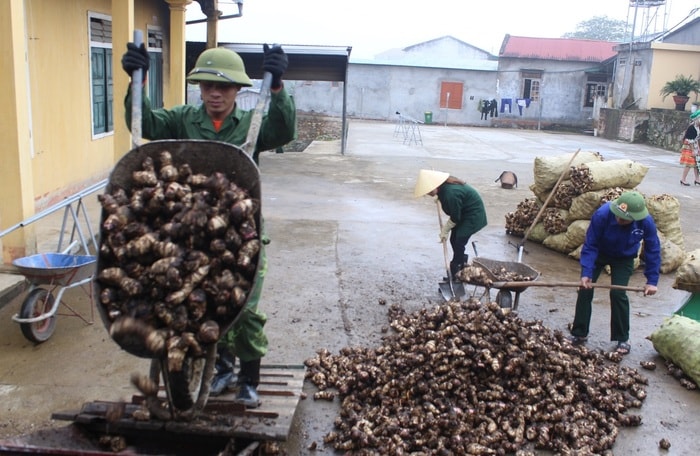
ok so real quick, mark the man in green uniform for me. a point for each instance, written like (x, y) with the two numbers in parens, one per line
(221, 74)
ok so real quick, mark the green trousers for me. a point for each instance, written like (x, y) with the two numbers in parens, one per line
(620, 272)
(246, 339)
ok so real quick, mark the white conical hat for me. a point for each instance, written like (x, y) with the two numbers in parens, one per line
(429, 180)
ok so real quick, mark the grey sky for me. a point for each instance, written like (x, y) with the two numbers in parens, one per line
(374, 26)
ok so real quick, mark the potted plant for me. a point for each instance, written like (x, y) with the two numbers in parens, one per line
(681, 87)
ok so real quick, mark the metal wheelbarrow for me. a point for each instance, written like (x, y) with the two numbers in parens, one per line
(514, 277)
(508, 294)
(187, 389)
(59, 271)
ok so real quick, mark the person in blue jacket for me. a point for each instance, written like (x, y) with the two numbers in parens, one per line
(614, 237)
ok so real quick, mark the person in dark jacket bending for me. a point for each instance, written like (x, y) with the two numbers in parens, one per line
(614, 238)
(464, 206)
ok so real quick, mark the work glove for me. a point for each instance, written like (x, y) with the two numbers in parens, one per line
(445, 230)
(134, 58)
(275, 61)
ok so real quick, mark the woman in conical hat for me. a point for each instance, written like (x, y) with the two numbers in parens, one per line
(462, 203)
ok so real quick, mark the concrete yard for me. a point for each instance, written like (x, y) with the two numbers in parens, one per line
(346, 236)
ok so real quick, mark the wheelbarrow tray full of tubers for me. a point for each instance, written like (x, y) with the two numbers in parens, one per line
(497, 274)
(180, 238)
(515, 277)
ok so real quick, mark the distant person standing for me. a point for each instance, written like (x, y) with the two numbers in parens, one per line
(689, 149)
(464, 206)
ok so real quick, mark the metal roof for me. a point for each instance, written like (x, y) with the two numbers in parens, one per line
(306, 63)
(422, 61)
(568, 49)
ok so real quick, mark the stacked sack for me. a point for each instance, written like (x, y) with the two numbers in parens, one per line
(589, 182)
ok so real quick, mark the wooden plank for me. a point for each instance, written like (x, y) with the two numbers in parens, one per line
(280, 390)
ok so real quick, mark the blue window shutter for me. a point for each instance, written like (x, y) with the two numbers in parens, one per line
(99, 95)
(109, 82)
(155, 80)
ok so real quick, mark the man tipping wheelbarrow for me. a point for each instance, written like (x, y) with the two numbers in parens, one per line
(465, 208)
(221, 74)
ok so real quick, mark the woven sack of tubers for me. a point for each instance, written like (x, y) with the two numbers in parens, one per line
(688, 273)
(547, 170)
(666, 212)
(677, 339)
(605, 174)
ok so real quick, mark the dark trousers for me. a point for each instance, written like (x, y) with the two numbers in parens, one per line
(459, 258)
(620, 272)
(506, 102)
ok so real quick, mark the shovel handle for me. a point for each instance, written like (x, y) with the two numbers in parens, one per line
(524, 284)
(544, 205)
(444, 248)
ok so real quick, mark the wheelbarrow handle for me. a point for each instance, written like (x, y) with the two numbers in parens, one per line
(523, 284)
(136, 97)
(257, 117)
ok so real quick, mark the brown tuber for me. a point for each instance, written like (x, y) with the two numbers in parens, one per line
(144, 384)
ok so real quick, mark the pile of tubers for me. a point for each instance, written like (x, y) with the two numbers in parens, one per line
(519, 221)
(177, 258)
(466, 378)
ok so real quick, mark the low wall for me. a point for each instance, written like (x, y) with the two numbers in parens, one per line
(663, 128)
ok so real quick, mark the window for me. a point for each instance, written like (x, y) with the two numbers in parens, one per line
(532, 80)
(155, 69)
(596, 86)
(102, 86)
(451, 95)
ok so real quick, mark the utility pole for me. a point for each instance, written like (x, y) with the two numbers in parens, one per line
(210, 8)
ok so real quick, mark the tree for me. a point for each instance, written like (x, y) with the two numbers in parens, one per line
(600, 28)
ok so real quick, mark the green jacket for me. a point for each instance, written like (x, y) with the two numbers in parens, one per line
(192, 122)
(464, 206)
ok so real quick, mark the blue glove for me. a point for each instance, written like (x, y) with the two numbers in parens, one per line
(275, 61)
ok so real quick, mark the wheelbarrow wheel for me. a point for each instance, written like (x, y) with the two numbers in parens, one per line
(504, 299)
(36, 304)
(185, 384)
(189, 387)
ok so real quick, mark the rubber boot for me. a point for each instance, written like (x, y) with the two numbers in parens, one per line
(248, 379)
(223, 376)
(455, 267)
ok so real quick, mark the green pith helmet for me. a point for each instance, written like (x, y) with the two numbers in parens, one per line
(629, 206)
(695, 115)
(219, 65)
